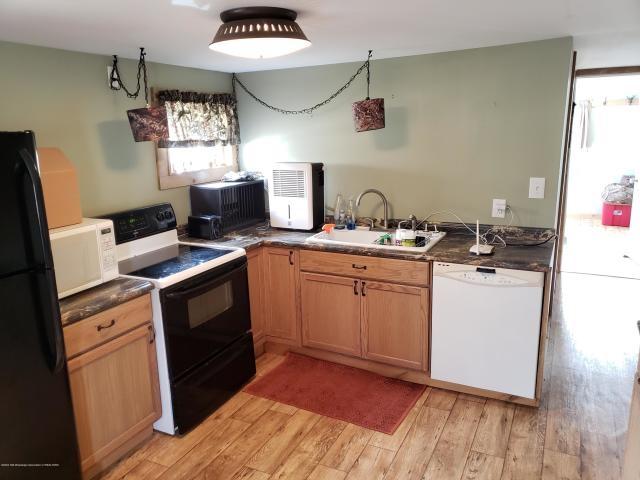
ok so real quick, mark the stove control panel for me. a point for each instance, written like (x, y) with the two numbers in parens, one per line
(142, 222)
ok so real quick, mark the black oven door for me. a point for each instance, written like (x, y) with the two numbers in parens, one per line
(205, 314)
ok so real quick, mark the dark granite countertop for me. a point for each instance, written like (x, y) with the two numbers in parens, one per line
(453, 248)
(97, 299)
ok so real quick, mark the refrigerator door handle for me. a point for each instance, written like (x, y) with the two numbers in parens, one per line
(43, 230)
(52, 325)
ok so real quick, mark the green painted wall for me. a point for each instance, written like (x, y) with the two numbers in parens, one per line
(64, 98)
(462, 128)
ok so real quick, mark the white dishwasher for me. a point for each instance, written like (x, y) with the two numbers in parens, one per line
(485, 327)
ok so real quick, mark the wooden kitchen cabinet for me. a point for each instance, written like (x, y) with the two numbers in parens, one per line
(256, 277)
(364, 267)
(114, 384)
(331, 313)
(373, 308)
(377, 321)
(281, 294)
(394, 324)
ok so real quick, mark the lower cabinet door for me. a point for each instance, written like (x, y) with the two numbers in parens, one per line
(331, 313)
(280, 277)
(115, 394)
(394, 324)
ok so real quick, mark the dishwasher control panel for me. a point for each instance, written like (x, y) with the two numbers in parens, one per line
(487, 278)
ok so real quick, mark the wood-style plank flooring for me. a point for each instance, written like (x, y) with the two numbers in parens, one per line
(577, 433)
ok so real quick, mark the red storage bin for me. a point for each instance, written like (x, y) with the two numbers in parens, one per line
(616, 214)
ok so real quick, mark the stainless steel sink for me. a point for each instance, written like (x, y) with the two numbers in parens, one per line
(368, 238)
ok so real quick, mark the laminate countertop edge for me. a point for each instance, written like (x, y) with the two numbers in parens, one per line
(100, 298)
(453, 248)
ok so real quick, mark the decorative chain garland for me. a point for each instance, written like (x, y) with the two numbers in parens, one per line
(308, 110)
(142, 70)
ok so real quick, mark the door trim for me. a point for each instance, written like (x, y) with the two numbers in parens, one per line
(601, 72)
(562, 197)
(564, 175)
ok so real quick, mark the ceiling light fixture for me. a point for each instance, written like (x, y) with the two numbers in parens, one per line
(259, 32)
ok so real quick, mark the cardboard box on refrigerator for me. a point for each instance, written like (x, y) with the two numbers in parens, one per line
(60, 188)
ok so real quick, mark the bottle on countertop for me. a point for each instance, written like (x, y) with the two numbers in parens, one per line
(338, 208)
(350, 217)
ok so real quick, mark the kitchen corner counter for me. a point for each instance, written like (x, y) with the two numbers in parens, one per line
(453, 248)
(97, 299)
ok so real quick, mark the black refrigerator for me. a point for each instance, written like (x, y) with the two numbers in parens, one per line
(37, 429)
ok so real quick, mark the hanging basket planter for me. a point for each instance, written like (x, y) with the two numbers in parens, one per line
(368, 114)
(149, 124)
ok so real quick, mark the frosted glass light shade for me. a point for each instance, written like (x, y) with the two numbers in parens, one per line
(259, 32)
(260, 47)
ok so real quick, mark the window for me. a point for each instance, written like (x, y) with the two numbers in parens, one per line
(203, 138)
(178, 167)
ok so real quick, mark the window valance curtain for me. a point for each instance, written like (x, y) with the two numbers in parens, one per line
(200, 119)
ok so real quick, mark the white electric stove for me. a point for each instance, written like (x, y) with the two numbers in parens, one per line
(201, 313)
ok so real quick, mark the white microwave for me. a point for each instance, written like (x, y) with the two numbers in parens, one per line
(84, 255)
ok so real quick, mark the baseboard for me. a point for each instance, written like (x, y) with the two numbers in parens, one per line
(376, 367)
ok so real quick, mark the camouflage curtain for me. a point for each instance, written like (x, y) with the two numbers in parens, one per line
(200, 119)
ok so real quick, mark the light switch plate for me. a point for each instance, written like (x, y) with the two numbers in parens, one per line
(536, 187)
(499, 208)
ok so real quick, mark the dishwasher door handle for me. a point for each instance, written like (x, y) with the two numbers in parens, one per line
(485, 270)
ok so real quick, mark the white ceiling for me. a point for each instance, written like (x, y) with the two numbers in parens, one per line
(178, 31)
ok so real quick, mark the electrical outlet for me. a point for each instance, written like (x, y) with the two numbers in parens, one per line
(499, 208)
(536, 187)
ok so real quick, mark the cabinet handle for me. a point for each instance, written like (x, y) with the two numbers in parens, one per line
(290, 257)
(358, 267)
(152, 334)
(355, 287)
(104, 327)
(362, 291)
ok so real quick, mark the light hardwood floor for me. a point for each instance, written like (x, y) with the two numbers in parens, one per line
(606, 248)
(577, 433)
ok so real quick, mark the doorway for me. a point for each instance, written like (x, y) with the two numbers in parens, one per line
(602, 221)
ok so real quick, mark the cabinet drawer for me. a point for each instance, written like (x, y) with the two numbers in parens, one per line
(102, 327)
(374, 268)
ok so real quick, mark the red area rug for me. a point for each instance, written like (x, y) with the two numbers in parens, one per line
(338, 391)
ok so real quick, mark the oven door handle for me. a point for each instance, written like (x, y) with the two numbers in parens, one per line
(201, 288)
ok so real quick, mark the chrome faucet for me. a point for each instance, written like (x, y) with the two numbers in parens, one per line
(385, 222)
(372, 224)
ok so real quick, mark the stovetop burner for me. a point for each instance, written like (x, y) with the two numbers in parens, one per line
(169, 260)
